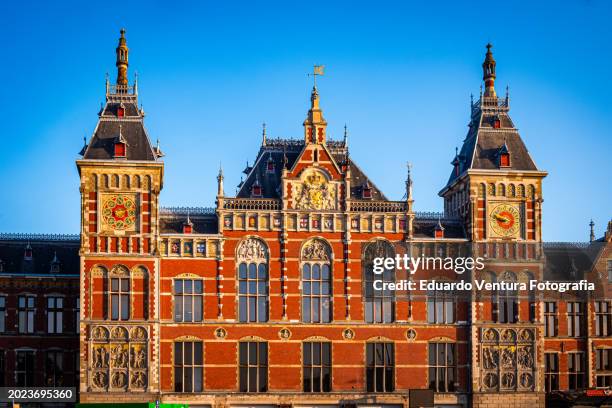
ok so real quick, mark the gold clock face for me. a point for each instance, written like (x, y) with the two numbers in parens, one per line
(119, 212)
(505, 220)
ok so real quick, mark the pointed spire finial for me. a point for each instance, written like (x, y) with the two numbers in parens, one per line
(409, 181)
(488, 71)
(263, 134)
(122, 61)
(592, 225)
(345, 134)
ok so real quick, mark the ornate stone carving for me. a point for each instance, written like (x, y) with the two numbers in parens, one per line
(284, 333)
(100, 357)
(100, 379)
(138, 357)
(220, 333)
(411, 334)
(526, 380)
(490, 380)
(490, 358)
(508, 335)
(119, 357)
(100, 333)
(138, 333)
(252, 250)
(316, 250)
(525, 357)
(119, 333)
(508, 380)
(138, 380)
(507, 358)
(315, 193)
(490, 335)
(119, 379)
(348, 334)
(525, 335)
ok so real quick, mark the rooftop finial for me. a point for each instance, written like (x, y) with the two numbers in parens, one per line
(409, 181)
(345, 134)
(122, 60)
(488, 70)
(592, 225)
(263, 134)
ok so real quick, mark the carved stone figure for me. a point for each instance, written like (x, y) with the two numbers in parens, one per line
(119, 333)
(118, 379)
(490, 358)
(138, 333)
(526, 380)
(220, 333)
(99, 379)
(100, 357)
(139, 357)
(525, 335)
(507, 358)
(119, 357)
(139, 379)
(252, 250)
(490, 380)
(489, 335)
(100, 333)
(508, 380)
(524, 357)
(507, 335)
(315, 250)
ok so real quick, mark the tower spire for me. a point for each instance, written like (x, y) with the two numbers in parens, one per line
(220, 192)
(488, 71)
(122, 60)
(592, 225)
(409, 182)
(263, 134)
(315, 125)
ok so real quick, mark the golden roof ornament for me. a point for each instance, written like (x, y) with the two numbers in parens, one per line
(122, 60)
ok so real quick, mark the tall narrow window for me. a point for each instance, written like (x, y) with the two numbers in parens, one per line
(188, 300)
(26, 311)
(317, 366)
(603, 368)
(442, 367)
(603, 318)
(550, 319)
(507, 302)
(576, 370)
(120, 298)
(2, 369)
(2, 314)
(253, 281)
(253, 366)
(77, 315)
(379, 303)
(316, 282)
(380, 367)
(24, 368)
(440, 307)
(575, 319)
(551, 371)
(55, 314)
(54, 369)
(188, 366)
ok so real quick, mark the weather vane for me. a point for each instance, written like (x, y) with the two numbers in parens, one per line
(317, 70)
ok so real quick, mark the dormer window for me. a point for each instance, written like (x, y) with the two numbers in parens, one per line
(270, 165)
(55, 264)
(187, 228)
(120, 147)
(496, 122)
(366, 193)
(439, 230)
(27, 255)
(503, 156)
(121, 111)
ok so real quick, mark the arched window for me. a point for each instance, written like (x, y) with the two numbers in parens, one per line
(379, 304)
(253, 281)
(316, 259)
(506, 302)
(441, 306)
(119, 293)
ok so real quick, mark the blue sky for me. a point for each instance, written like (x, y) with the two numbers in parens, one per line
(399, 74)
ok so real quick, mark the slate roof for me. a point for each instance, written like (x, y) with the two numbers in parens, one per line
(483, 142)
(204, 220)
(277, 149)
(570, 262)
(101, 145)
(44, 249)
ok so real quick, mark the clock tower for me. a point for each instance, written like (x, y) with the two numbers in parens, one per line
(121, 176)
(495, 186)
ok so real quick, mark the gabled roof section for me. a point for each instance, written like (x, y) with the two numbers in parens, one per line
(35, 254)
(285, 152)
